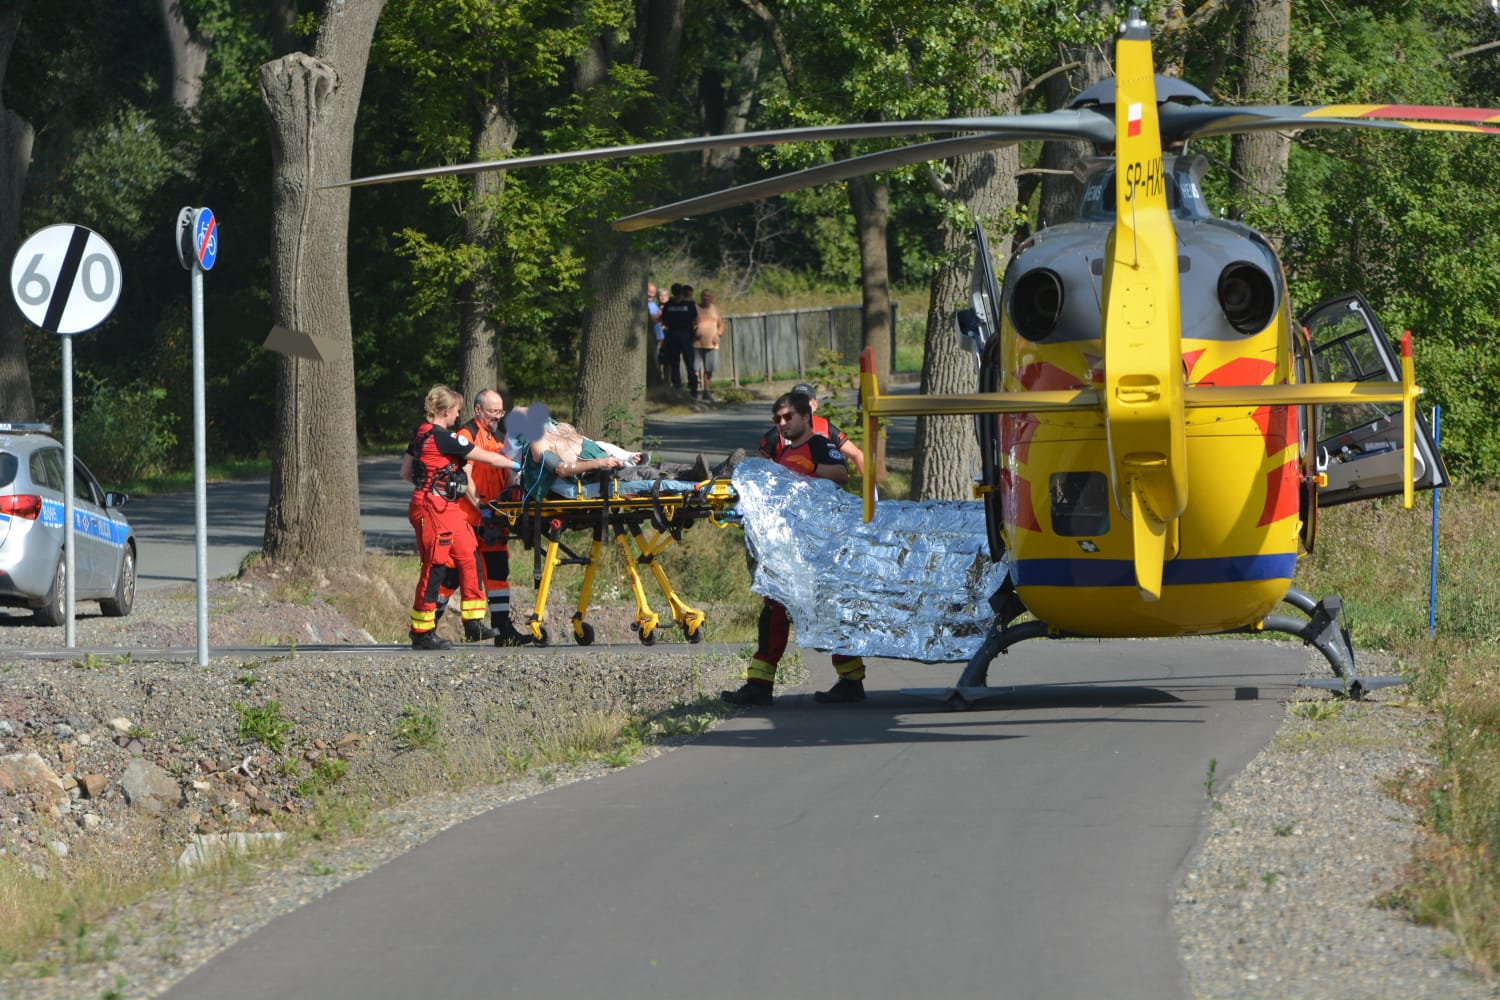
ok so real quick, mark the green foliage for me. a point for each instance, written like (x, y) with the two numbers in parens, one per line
(123, 432)
(1406, 219)
(418, 729)
(128, 144)
(325, 773)
(264, 723)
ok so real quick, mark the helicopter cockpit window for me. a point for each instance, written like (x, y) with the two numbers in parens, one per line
(1184, 197)
(1080, 504)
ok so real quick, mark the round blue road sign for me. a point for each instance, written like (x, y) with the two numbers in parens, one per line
(205, 238)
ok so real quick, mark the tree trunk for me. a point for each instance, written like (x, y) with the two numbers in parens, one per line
(947, 449)
(481, 360)
(1258, 160)
(189, 55)
(610, 395)
(616, 344)
(1060, 191)
(311, 103)
(16, 135)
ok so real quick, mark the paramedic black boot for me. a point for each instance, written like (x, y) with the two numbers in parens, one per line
(507, 634)
(843, 692)
(477, 631)
(750, 693)
(429, 640)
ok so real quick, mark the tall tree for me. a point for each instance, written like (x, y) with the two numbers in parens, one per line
(480, 76)
(983, 188)
(609, 396)
(1081, 64)
(311, 102)
(16, 136)
(1258, 160)
(190, 48)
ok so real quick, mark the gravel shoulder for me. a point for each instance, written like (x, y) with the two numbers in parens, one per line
(1281, 900)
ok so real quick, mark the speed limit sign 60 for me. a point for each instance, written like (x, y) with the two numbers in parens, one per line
(66, 279)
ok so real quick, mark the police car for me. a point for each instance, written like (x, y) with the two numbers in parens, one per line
(33, 572)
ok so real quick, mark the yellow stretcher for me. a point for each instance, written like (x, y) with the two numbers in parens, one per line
(541, 521)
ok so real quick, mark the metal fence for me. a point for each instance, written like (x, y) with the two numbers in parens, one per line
(760, 345)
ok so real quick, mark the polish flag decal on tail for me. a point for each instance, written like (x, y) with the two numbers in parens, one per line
(1133, 120)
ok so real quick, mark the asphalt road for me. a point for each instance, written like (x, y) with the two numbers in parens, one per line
(886, 850)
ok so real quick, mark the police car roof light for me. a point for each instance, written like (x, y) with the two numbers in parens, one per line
(25, 427)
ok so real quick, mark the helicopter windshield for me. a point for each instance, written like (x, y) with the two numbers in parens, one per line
(1184, 196)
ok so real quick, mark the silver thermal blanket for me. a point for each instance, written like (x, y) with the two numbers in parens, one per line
(912, 584)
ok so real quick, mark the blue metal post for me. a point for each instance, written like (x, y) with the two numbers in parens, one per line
(1437, 421)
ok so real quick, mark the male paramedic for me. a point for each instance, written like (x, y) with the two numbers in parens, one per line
(811, 455)
(492, 531)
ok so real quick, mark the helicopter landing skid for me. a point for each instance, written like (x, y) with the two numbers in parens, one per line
(1324, 630)
(972, 688)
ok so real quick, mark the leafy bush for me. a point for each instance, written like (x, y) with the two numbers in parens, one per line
(124, 433)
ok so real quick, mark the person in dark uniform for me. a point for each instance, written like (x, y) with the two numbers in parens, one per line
(434, 464)
(814, 455)
(679, 318)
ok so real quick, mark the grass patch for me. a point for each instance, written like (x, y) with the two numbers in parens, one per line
(1377, 556)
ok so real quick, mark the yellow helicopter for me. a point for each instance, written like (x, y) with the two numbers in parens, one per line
(1157, 431)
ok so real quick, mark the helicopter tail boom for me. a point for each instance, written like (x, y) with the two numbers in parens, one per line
(1142, 323)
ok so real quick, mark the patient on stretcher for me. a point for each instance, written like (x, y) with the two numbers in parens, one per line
(558, 460)
(564, 463)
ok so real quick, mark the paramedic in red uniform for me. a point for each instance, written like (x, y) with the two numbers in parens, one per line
(434, 463)
(493, 532)
(814, 455)
(772, 441)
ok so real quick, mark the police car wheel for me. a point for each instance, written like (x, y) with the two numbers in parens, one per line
(55, 610)
(119, 605)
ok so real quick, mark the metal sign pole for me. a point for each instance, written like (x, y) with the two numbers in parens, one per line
(197, 250)
(70, 628)
(200, 468)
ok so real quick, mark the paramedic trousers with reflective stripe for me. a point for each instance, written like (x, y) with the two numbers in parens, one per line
(494, 572)
(444, 539)
(774, 630)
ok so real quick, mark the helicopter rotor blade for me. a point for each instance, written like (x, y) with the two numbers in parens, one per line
(1181, 121)
(1084, 125)
(826, 173)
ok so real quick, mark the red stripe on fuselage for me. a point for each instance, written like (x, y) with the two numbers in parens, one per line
(1016, 432)
(1045, 375)
(1240, 371)
(1016, 491)
(1278, 425)
(1281, 494)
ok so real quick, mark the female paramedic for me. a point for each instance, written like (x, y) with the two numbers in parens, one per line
(434, 463)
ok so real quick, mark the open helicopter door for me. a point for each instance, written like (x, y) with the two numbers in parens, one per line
(979, 325)
(1359, 444)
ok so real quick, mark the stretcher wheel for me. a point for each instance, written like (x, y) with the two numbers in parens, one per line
(544, 638)
(648, 638)
(696, 635)
(583, 634)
